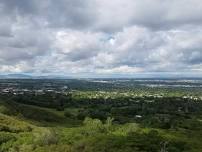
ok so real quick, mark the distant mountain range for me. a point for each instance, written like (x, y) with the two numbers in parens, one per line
(12, 76)
(26, 76)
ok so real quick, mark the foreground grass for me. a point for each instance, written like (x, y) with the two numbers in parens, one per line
(25, 128)
(90, 137)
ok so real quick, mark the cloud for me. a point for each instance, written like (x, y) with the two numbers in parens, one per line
(76, 45)
(121, 69)
(170, 50)
(114, 15)
(93, 37)
(108, 16)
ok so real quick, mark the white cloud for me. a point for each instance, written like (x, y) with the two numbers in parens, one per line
(78, 45)
(94, 37)
(121, 70)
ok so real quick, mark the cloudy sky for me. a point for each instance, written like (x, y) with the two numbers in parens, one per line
(101, 38)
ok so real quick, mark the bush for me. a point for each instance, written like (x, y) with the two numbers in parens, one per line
(82, 114)
(93, 126)
(10, 124)
(4, 110)
(5, 137)
(47, 137)
(53, 148)
(68, 114)
(109, 124)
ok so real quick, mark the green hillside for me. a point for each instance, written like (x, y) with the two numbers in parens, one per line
(26, 128)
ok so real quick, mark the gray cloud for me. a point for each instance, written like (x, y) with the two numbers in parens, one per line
(107, 15)
(93, 36)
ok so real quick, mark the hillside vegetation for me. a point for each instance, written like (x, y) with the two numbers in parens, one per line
(95, 122)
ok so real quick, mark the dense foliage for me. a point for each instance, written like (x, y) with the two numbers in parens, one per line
(120, 120)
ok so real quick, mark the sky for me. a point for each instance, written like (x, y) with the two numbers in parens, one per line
(101, 38)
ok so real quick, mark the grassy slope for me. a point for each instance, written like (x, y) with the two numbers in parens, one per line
(24, 127)
(22, 131)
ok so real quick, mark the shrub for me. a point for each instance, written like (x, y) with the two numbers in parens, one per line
(68, 114)
(10, 124)
(5, 137)
(93, 126)
(47, 137)
(53, 148)
(109, 124)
